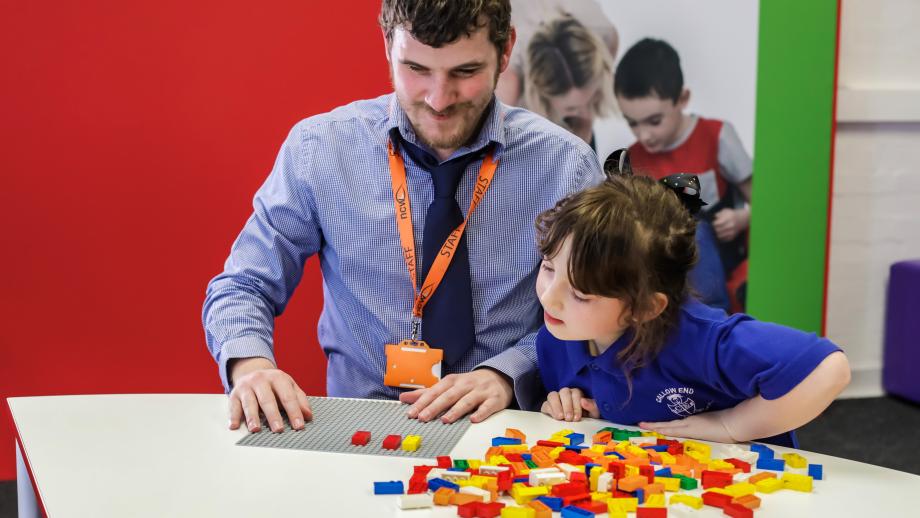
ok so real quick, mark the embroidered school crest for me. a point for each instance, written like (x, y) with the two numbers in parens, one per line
(678, 400)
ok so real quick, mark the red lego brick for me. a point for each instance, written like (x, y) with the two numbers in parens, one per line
(596, 507)
(551, 444)
(514, 457)
(740, 464)
(392, 442)
(738, 511)
(569, 488)
(570, 457)
(715, 479)
(422, 469)
(651, 512)
(505, 480)
(490, 510)
(418, 484)
(716, 499)
(617, 468)
(445, 462)
(360, 438)
(576, 499)
(648, 472)
(578, 476)
(468, 510)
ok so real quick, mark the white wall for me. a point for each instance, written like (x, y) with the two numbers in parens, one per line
(876, 201)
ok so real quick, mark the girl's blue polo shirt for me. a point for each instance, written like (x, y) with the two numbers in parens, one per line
(711, 361)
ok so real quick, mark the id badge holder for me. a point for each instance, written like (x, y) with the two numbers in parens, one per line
(412, 364)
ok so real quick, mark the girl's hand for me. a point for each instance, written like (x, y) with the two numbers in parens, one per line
(707, 426)
(569, 404)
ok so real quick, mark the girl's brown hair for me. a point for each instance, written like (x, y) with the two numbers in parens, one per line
(631, 237)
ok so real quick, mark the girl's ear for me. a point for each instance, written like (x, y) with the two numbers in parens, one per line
(658, 304)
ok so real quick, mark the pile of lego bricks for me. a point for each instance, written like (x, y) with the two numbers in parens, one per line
(621, 471)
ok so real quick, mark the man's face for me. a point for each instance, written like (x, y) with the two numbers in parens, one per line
(656, 122)
(444, 91)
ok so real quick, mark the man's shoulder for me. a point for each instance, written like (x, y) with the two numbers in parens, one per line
(370, 113)
(524, 128)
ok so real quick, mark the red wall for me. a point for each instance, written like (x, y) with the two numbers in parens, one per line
(132, 139)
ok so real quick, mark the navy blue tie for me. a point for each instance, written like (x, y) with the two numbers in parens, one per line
(447, 322)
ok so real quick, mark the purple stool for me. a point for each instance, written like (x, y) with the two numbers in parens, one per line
(902, 332)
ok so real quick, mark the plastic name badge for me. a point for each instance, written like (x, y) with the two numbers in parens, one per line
(412, 364)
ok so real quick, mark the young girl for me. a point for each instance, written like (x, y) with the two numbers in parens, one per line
(624, 341)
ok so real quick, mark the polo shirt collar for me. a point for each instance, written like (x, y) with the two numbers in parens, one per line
(579, 357)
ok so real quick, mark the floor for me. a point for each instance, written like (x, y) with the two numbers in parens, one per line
(880, 431)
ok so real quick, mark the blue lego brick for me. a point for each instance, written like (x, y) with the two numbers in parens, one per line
(663, 472)
(656, 447)
(765, 451)
(504, 441)
(393, 487)
(552, 502)
(576, 512)
(437, 483)
(526, 456)
(640, 494)
(771, 464)
(588, 467)
(816, 471)
(576, 438)
(523, 478)
(614, 454)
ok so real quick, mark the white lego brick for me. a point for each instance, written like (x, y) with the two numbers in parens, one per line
(417, 501)
(472, 490)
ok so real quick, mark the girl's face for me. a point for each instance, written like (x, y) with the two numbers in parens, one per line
(574, 110)
(571, 315)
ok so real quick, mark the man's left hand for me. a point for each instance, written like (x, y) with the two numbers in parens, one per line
(482, 392)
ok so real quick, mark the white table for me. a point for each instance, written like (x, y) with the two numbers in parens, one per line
(172, 455)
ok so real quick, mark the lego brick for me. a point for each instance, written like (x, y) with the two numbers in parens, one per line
(412, 442)
(514, 433)
(417, 501)
(652, 512)
(632, 483)
(627, 504)
(688, 500)
(797, 482)
(753, 479)
(361, 438)
(392, 442)
(816, 471)
(741, 489)
(552, 502)
(794, 460)
(502, 441)
(593, 506)
(444, 462)
(468, 510)
(655, 500)
(711, 498)
(490, 510)
(437, 483)
(517, 512)
(745, 467)
(576, 512)
(771, 464)
(464, 498)
(715, 479)
(749, 501)
(541, 510)
(484, 495)
(737, 511)
(393, 487)
(769, 485)
(442, 496)
(670, 484)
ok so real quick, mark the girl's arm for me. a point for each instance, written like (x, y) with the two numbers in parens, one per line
(757, 417)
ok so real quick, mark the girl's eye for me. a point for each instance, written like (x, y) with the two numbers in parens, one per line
(579, 298)
(546, 266)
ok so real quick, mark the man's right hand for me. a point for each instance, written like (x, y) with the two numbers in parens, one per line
(257, 384)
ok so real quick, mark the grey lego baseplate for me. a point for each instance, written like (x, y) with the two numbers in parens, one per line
(335, 420)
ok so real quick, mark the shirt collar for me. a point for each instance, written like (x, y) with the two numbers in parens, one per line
(492, 129)
(579, 357)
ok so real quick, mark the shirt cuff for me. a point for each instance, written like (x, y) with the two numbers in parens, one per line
(523, 373)
(244, 347)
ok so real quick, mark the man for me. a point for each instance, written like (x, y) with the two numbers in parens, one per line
(333, 192)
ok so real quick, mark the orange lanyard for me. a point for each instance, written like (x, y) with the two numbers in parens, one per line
(407, 238)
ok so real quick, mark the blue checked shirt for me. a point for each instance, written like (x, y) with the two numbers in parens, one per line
(330, 193)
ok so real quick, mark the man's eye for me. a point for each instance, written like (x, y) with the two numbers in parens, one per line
(465, 72)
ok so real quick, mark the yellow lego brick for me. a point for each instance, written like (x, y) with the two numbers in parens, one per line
(690, 446)
(769, 485)
(625, 504)
(495, 460)
(649, 433)
(523, 494)
(480, 480)
(554, 453)
(716, 464)
(697, 456)
(518, 512)
(600, 496)
(794, 460)
(564, 432)
(637, 451)
(631, 470)
(618, 513)
(599, 448)
(411, 442)
(670, 484)
(797, 482)
(720, 490)
(688, 500)
(515, 448)
(474, 463)
(666, 458)
(741, 489)
(654, 501)
(561, 438)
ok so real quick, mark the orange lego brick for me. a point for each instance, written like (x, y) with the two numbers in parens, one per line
(753, 479)
(513, 433)
(632, 483)
(749, 501)
(442, 496)
(463, 498)
(541, 510)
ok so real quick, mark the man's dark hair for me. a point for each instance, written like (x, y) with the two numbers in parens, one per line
(439, 22)
(650, 67)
